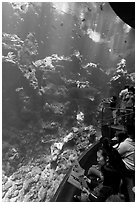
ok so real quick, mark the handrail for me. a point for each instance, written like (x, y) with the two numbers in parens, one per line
(112, 119)
(117, 108)
(123, 115)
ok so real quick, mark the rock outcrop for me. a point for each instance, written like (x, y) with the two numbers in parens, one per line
(38, 180)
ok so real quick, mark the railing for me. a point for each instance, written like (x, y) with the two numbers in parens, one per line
(121, 118)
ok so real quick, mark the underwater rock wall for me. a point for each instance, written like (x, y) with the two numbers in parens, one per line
(39, 179)
(41, 109)
(54, 78)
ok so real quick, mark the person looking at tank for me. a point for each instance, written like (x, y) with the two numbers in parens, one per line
(113, 105)
(123, 92)
(122, 97)
(130, 105)
(108, 180)
(127, 151)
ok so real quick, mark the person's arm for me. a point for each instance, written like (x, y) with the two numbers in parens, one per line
(92, 197)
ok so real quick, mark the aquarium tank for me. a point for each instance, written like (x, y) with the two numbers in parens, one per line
(59, 60)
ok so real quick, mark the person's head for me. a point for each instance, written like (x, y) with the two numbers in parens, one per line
(101, 157)
(121, 136)
(105, 144)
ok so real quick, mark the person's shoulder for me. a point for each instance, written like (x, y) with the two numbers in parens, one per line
(128, 142)
(121, 92)
(123, 144)
(124, 91)
(128, 139)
